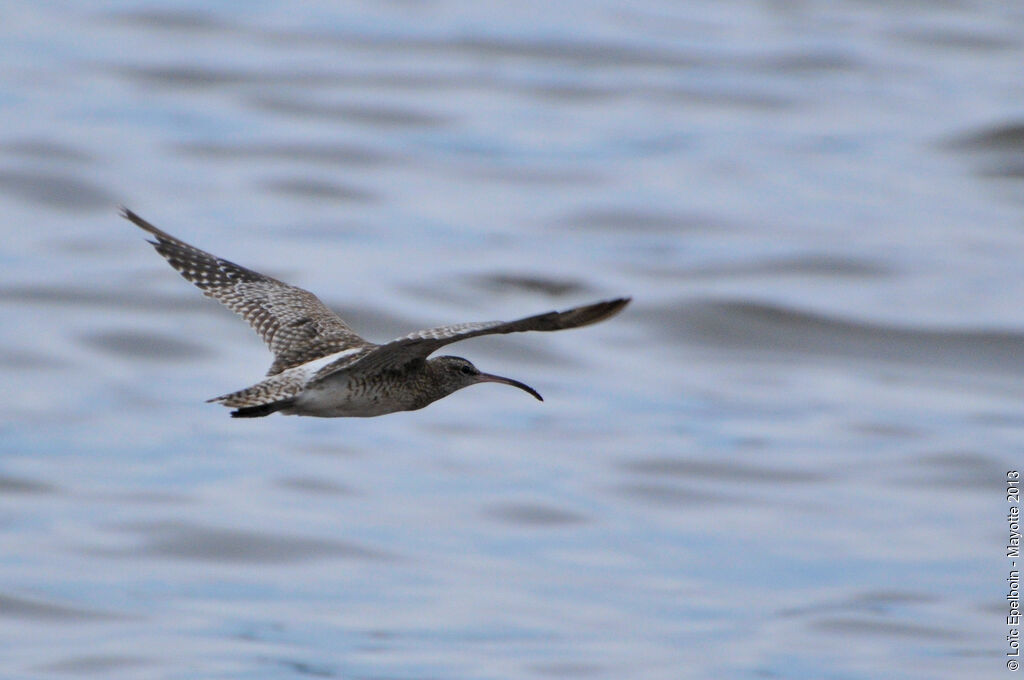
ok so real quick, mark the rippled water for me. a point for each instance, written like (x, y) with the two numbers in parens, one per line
(784, 460)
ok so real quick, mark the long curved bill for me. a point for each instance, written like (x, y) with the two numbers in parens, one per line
(487, 377)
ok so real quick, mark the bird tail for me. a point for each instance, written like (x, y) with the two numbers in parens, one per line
(273, 394)
(262, 409)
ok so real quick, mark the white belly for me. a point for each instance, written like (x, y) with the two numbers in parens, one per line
(336, 397)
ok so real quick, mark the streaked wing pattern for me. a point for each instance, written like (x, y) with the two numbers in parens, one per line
(341, 363)
(294, 323)
(421, 344)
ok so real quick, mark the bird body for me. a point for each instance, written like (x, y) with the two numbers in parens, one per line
(321, 366)
(361, 394)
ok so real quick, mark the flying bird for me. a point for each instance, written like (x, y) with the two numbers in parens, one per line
(321, 366)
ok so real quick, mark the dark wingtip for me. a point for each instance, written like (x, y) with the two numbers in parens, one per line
(142, 224)
(618, 303)
(600, 311)
(128, 214)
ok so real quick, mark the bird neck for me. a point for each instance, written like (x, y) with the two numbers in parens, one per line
(426, 383)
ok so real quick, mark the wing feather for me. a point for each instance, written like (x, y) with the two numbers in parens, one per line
(294, 323)
(418, 346)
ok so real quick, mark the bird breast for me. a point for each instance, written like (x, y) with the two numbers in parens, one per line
(344, 395)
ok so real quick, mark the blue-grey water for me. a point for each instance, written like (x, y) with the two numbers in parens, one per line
(784, 460)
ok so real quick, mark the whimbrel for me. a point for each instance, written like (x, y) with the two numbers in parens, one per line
(321, 366)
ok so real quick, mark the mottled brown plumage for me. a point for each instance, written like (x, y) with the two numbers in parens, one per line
(294, 323)
(321, 366)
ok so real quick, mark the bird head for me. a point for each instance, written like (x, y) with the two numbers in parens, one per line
(456, 373)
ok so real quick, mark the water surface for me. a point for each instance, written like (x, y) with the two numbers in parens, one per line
(784, 460)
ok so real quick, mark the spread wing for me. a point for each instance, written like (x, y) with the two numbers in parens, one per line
(294, 323)
(421, 344)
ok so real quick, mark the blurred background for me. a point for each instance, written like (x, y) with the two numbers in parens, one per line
(784, 460)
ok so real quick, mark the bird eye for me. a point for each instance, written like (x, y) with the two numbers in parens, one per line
(468, 370)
